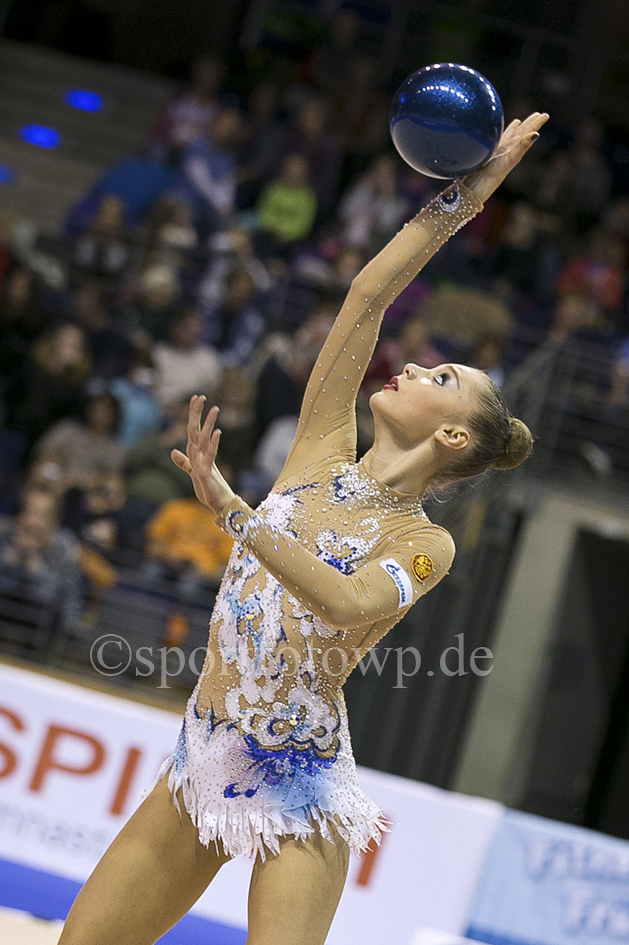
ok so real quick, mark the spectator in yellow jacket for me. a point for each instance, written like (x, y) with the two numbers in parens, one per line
(184, 538)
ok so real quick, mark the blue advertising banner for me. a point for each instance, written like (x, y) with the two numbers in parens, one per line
(546, 883)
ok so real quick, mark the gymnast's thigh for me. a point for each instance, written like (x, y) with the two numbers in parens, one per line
(294, 895)
(150, 876)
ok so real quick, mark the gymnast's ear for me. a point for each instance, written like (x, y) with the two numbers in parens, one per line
(452, 437)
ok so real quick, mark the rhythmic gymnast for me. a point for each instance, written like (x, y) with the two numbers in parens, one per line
(319, 573)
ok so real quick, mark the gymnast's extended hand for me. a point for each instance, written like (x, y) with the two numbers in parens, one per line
(199, 459)
(516, 139)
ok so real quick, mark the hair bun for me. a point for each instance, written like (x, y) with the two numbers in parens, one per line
(519, 446)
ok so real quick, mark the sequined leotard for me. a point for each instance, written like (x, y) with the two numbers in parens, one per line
(325, 566)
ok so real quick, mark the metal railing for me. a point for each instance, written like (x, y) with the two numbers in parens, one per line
(562, 391)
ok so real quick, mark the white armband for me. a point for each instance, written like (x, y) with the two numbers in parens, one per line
(401, 578)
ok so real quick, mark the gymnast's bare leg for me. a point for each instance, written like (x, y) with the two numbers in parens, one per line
(156, 869)
(293, 896)
(151, 875)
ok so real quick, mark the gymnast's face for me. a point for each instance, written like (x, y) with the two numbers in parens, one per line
(419, 402)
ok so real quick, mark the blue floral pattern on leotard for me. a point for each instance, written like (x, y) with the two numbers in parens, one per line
(180, 754)
(281, 744)
(345, 552)
(251, 633)
(288, 741)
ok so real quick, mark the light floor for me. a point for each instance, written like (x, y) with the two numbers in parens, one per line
(18, 928)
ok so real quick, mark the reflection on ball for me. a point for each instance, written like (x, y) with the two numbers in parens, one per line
(446, 120)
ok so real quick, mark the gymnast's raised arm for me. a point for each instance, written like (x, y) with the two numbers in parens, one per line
(327, 423)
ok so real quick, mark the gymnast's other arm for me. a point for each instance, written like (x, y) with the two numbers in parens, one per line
(377, 590)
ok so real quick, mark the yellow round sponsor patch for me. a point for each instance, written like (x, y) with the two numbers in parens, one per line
(422, 567)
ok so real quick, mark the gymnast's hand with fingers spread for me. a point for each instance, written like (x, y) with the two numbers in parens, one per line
(199, 459)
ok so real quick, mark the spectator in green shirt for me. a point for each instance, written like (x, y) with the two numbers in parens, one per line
(287, 208)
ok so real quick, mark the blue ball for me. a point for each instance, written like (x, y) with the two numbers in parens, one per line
(446, 120)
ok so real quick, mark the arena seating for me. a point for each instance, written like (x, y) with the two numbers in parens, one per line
(33, 81)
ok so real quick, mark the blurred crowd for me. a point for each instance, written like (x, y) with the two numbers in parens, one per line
(214, 262)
